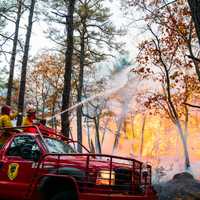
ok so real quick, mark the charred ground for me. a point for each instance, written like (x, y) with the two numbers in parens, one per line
(183, 186)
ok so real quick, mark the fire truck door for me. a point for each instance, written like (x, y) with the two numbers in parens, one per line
(18, 171)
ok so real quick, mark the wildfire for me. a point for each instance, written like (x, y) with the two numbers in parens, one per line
(156, 142)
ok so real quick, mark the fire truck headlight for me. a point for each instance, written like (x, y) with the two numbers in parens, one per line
(104, 177)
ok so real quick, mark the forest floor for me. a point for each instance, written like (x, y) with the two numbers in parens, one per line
(183, 186)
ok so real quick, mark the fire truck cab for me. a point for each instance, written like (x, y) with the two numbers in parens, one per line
(45, 166)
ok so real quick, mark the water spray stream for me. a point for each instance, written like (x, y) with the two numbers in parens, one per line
(116, 85)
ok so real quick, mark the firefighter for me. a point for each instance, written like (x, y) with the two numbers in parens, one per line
(5, 121)
(6, 116)
(29, 120)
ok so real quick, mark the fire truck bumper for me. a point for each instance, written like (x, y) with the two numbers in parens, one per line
(92, 196)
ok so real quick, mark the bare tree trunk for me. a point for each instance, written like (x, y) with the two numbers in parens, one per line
(104, 132)
(186, 154)
(88, 133)
(53, 121)
(117, 137)
(65, 121)
(132, 125)
(195, 9)
(80, 86)
(24, 63)
(43, 95)
(36, 99)
(13, 56)
(97, 136)
(95, 119)
(178, 125)
(186, 123)
(180, 131)
(175, 118)
(125, 127)
(142, 137)
(196, 63)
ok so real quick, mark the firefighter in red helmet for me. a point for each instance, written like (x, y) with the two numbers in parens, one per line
(29, 120)
(5, 121)
(6, 116)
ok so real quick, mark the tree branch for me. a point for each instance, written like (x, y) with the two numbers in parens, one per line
(193, 58)
(194, 106)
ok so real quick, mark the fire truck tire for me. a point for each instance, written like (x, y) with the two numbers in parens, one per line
(66, 195)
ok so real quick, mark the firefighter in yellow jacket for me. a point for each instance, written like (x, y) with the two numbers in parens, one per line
(6, 117)
(29, 120)
(5, 121)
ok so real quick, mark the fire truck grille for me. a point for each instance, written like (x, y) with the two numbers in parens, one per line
(123, 180)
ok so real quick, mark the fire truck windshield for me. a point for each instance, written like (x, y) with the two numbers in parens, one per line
(58, 146)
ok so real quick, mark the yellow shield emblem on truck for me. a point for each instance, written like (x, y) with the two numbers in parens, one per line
(13, 169)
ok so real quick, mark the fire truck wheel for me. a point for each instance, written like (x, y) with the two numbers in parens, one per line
(66, 195)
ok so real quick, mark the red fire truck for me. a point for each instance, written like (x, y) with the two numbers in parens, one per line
(45, 166)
